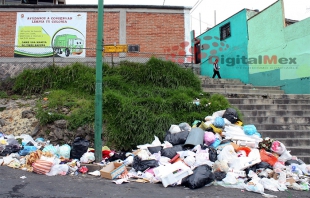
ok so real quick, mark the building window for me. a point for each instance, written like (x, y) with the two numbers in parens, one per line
(225, 31)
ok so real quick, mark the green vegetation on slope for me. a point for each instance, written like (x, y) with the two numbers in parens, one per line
(139, 100)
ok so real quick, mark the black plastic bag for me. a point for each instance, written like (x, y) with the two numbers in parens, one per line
(78, 148)
(176, 138)
(142, 165)
(289, 162)
(219, 175)
(121, 155)
(172, 151)
(10, 149)
(202, 175)
(154, 149)
(231, 115)
(212, 154)
(260, 165)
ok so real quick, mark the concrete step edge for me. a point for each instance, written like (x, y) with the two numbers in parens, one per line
(304, 96)
(239, 86)
(293, 139)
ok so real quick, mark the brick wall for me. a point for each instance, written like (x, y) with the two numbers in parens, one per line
(7, 33)
(155, 32)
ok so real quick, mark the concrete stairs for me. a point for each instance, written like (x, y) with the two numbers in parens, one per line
(283, 117)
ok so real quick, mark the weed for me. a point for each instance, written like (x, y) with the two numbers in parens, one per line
(3, 94)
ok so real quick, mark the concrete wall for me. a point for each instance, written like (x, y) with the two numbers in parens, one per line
(229, 51)
(268, 36)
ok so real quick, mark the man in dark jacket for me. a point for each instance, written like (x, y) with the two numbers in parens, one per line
(216, 69)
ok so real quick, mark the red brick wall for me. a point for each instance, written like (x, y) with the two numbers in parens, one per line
(7, 33)
(154, 32)
(111, 30)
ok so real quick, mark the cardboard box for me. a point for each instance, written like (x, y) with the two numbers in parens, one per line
(112, 170)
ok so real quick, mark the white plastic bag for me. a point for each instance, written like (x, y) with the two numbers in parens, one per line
(269, 184)
(231, 178)
(64, 151)
(87, 157)
(58, 169)
(174, 129)
(156, 142)
(218, 113)
(228, 153)
(202, 157)
(285, 156)
(254, 186)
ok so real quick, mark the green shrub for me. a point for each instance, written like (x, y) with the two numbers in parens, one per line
(3, 94)
(140, 101)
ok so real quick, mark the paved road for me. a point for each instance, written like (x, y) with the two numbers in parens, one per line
(87, 186)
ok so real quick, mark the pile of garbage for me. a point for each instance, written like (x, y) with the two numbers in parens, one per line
(218, 150)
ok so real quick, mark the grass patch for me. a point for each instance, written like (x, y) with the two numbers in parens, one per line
(139, 100)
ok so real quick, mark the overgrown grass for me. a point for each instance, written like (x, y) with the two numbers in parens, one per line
(139, 100)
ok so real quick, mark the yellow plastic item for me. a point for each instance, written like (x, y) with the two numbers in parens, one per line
(105, 148)
(204, 126)
(239, 123)
(3, 141)
(216, 130)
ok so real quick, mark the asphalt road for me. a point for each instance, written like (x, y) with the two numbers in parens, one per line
(87, 186)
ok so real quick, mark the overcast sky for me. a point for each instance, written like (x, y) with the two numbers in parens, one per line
(202, 16)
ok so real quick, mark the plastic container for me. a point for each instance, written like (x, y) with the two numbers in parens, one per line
(174, 177)
(195, 137)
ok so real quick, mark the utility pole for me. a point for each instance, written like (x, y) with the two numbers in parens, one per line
(99, 90)
(214, 17)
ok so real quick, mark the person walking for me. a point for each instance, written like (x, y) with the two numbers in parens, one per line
(216, 69)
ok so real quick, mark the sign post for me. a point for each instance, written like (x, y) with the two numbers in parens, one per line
(99, 90)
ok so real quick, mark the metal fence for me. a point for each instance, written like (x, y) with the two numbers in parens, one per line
(14, 59)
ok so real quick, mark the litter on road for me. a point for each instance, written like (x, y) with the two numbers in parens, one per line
(218, 150)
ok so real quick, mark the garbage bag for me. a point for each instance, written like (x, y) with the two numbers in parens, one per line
(154, 149)
(278, 147)
(268, 157)
(202, 175)
(209, 138)
(10, 149)
(50, 148)
(79, 147)
(26, 150)
(249, 129)
(219, 175)
(260, 165)
(289, 162)
(58, 169)
(172, 151)
(64, 151)
(142, 165)
(42, 166)
(185, 126)
(231, 115)
(174, 129)
(219, 122)
(87, 157)
(177, 138)
(212, 154)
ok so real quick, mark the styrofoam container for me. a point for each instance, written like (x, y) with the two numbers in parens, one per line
(172, 178)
